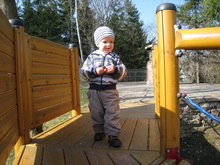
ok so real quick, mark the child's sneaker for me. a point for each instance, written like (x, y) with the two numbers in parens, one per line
(114, 141)
(99, 136)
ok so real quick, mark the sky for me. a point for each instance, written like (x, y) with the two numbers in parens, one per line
(147, 8)
(147, 11)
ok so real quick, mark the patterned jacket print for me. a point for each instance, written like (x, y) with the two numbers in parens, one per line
(99, 59)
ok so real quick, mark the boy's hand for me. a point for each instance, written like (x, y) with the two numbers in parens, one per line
(105, 69)
(110, 69)
(100, 70)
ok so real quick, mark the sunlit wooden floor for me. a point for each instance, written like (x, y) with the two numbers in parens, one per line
(72, 143)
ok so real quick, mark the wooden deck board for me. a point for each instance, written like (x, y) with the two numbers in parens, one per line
(59, 130)
(140, 138)
(53, 156)
(32, 155)
(75, 157)
(154, 137)
(73, 143)
(123, 158)
(77, 135)
(127, 132)
(145, 158)
(86, 141)
(98, 158)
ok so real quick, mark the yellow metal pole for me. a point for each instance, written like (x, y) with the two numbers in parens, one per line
(198, 39)
(161, 82)
(169, 79)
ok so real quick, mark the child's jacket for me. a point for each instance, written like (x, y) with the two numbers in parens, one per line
(99, 59)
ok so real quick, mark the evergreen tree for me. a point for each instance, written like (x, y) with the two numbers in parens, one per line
(130, 37)
(199, 13)
(42, 19)
(54, 20)
(87, 24)
(210, 10)
(67, 12)
(189, 14)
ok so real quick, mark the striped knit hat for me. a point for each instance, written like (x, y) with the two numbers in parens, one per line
(102, 32)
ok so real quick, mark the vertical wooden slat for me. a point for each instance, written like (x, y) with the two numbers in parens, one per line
(75, 81)
(22, 51)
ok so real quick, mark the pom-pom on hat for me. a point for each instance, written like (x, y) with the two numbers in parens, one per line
(101, 33)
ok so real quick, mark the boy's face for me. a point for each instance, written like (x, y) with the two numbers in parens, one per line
(106, 45)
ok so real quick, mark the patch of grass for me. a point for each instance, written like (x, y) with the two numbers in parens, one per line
(10, 158)
(83, 99)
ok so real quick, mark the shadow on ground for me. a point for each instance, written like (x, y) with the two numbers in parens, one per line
(198, 150)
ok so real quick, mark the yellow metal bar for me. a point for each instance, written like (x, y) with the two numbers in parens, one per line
(161, 81)
(169, 78)
(198, 39)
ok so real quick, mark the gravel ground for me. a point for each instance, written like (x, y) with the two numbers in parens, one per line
(142, 92)
(201, 148)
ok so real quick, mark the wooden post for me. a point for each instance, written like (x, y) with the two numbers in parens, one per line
(75, 79)
(169, 79)
(24, 93)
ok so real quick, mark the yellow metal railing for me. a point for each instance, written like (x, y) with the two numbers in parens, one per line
(168, 77)
(198, 39)
(166, 72)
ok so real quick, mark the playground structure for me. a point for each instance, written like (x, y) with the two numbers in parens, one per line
(39, 81)
(166, 71)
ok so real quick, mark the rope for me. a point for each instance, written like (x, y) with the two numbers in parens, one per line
(183, 95)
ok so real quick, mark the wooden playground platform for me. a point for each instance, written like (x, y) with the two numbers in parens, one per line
(72, 142)
(40, 81)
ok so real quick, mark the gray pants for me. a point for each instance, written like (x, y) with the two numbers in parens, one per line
(104, 109)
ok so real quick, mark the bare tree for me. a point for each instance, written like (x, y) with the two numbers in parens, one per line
(104, 9)
(78, 34)
(9, 8)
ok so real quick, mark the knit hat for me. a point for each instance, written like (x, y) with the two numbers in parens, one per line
(101, 33)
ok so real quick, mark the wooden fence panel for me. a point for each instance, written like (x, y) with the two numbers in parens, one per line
(49, 47)
(9, 124)
(37, 83)
(51, 80)
(7, 82)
